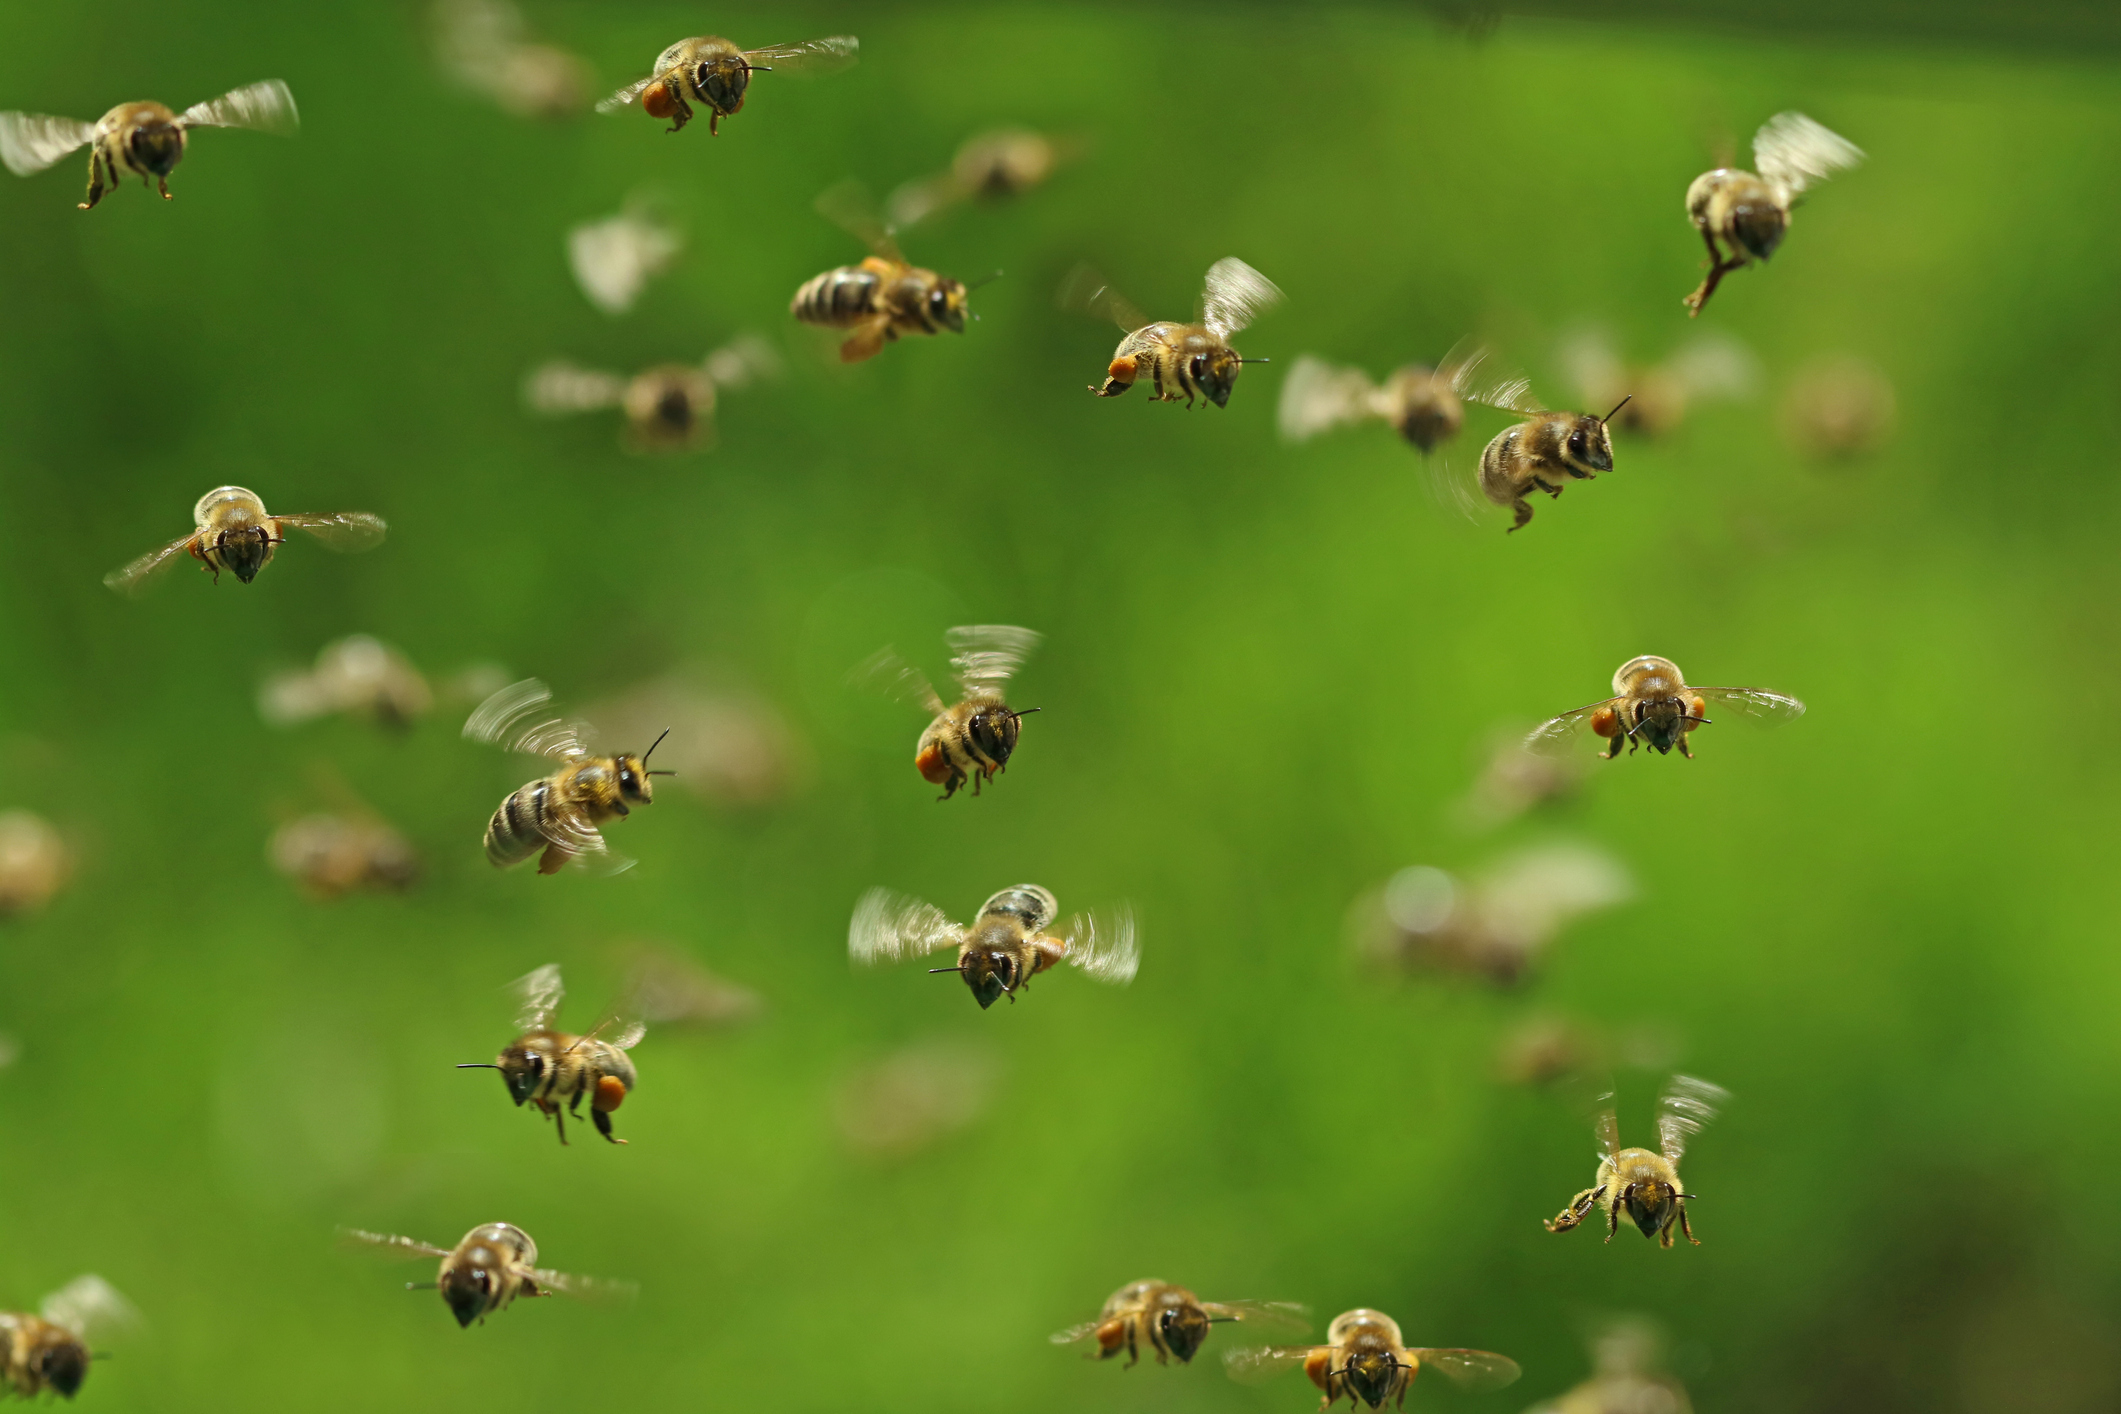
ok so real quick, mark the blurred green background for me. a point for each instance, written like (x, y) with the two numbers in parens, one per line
(1269, 674)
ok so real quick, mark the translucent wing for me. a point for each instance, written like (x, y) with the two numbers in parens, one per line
(916, 201)
(287, 698)
(986, 656)
(1687, 1103)
(559, 387)
(1104, 945)
(614, 258)
(1256, 1364)
(1479, 379)
(1284, 1315)
(90, 1306)
(30, 142)
(134, 579)
(344, 532)
(514, 719)
(1769, 708)
(1556, 735)
(1074, 1333)
(1794, 153)
(1473, 1370)
(1605, 1126)
(262, 107)
(538, 996)
(1317, 396)
(743, 360)
(1087, 292)
(626, 95)
(666, 989)
(850, 207)
(388, 1245)
(582, 845)
(884, 671)
(1235, 294)
(812, 56)
(622, 1026)
(889, 927)
(599, 1289)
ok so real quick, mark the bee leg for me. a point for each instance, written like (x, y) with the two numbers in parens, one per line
(1613, 752)
(603, 1124)
(1684, 749)
(1685, 1226)
(1524, 513)
(1612, 1214)
(163, 183)
(97, 163)
(681, 113)
(554, 860)
(559, 1118)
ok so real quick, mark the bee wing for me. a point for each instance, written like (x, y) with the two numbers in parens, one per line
(1605, 1126)
(745, 359)
(889, 927)
(1283, 1315)
(344, 532)
(1081, 1331)
(665, 989)
(626, 95)
(849, 206)
(1473, 1370)
(134, 579)
(622, 1026)
(90, 1306)
(559, 387)
(1251, 1365)
(1317, 396)
(388, 1245)
(1478, 378)
(513, 719)
(1688, 1102)
(884, 671)
(988, 655)
(599, 1289)
(812, 56)
(30, 142)
(538, 996)
(1085, 291)
(1558, 734)
(584, 845)
(1105, 945)
(1235, 294)
(613, 258)
(1452, 488)
(1794, 153)
(262, 107)
(1753, 703)
(1593, 366)
(916, 201)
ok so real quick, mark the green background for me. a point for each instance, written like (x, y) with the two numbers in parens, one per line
(1269, 672)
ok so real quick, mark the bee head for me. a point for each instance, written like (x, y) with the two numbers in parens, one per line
(948, 304)
(722, 81)
(522, 1070)
(63, 1366)
(994, 731)
(1757, 224)
(156, 146)
(244, 551)
(1589, 444)
(1369, 1374)
(468, 1289)
(1184, 1328)
(989, 972)
(1214, 372)
(1650, 1205)
(634, 782)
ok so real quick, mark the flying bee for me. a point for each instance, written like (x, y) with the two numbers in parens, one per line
(1179, 360)
(669, 407)
(330, 855)
(1424, 405)
(485, 44)
(1839, 406)
(989, 166)
(492, 1266)
(1702, 369)
(1006, 945)
(974, 739)
(1170, 1321)
(1496, 926)
(715, 73)
(358, 675)
(882, 298)
(236, 534)
(1629, 1380)
(555, 1069)
(1652, 701)
(1542, 453)
(145, 139)
(1645, 1185)
(34, 863)
(49, 1351)
(613, 258)
(562, 814)
(1749, 214)
(1366, 1359)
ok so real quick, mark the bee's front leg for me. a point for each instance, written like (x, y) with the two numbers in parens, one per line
(1524, 513)
(96, 186)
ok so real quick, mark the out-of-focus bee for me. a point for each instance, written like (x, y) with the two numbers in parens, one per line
(48, 1352)
(668, 408)
(1839, 406)
(1655, 399)
(727, 744)
(1652, 701)
(1366, 1359)
(145, 139)
(492, 1266)
(34, 863)
(613, 258)
(1548, 1050)
(990, 166)
(1642, 1184)
(486, 46)
(1514, 781)
(1627, 1355)
(561, 814)
(974, 739)
(914, 1097)
(1424, 405)
(1178, 359)
(553, 1070)
(1006, 946)
(236, 534)
(330, 855)
(358, 675)
(1749, 214)
(668, 989)
(882, 298)
(1170, 1321)
(1494, 927)
(715, 73)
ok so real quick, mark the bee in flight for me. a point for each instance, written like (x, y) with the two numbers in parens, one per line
(1424, 405)
(486, 46)
(614, 258)
(358, 675)
(715, 73)
(1630, 1379)
(1544, 452)
(989, 166)
(1750, 214)
(669, 407)
(145, 139)
(1366, 1359)
(562, 814)
(492, 1266)
(1170, 1321)
(331, 855)
(553, 1070)
(1652, 701)
(235, 533)
(1006, 945)
(1702, 369)
(34, 862)
(885, 296)
(1645, 1185)
(973, 739)
(49, 1351)
(1179, 360)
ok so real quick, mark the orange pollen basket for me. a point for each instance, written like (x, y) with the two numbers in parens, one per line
(611, 1093)
(658, 101)
(930, 763)
(1606, 722)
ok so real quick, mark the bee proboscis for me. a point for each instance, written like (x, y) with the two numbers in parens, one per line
(1006, 945)
(1750, 213)
(554, 1070)
(1642, 1184)
(1180, 360)
(1366, 1359)
(145, 139)
(1170, 1321)
(669, 407)
(1652, 701)
(48, 1351)
(973, 738)
(235, 533)
(714, 73)
(493, 1265)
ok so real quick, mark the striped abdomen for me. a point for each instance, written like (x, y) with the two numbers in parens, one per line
(838, 298)
(517, 830)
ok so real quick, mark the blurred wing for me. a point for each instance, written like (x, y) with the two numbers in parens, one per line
(1473, 1370)
(884, 671)
(388, 1245)
(988, 655)
(626, 95)
(889, 927)
(286, 698)
(916, 201)
(1104, 945)
(1756, 704)
(584, 1288)
(262, 107)
(746, 359)
(812, 56)
(1794, 153)
(1075, 1333)
(30, 142)
(1714, 366)
(666, 990)
(1087, 292)
(1317, 396)
(514, 719)
(558, 388)
(622, 1027)
(1605, 1127)
(584, 845)
(1454, 489)
(1235, 294)
(1284, 1315)
(1553, 737)
(613, 258)
(538, 996)
(90, 1306)
(1593, 367)
(1687, 1103)
(850, 207)
(345, 532)
(1259, 1363)
(133, 579)
(1479, 379)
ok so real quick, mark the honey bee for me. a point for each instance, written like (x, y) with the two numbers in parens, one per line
(331, 855)
(669, 407)
(485, 45)
(1702, 369)
(236, 534)
(974, 739)
(49, 1351)
(1627, 1357)
(989, 166)
(1651, 700)
(914, 1097)
(1170, 1321)
(492, 1266)
(1366, 1359)
(1839, 406)
(613, 258)
(555, 1069)
(727, 744)
(358, 675)
(1514, 782)
(1495, 926)
(563, 813)
(1749, 214)
(145, 139)
(1548, 1050)
(882, 298)
(713, 72)
(1006, 946)
(34, 863)
(1542, 453)
(1646, 1185)
(1180, 360)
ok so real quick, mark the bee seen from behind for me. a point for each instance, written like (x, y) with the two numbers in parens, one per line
(972, 739)
(883, 298)
(1006, 945)
(1749, 214)
(146, 140)
(1170, 1321)
(1642, 1184)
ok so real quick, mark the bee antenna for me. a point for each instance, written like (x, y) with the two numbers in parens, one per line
(758, 68)
(478, 1065)
(1616, 408)
(1023, 714)
(985, 280)
(652, 746)
(662, 773)
(1255, 360)
(933, 970)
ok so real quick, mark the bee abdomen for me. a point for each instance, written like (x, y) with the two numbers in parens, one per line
(838, 298)
(516, 831)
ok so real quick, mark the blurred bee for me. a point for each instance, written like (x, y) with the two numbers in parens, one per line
(1515, 781)
(882, 298)
(1006, 946)
(1544, 1051)
(1704, 368)
(1651, 700)
(1638, 1182)
(666, 988)
(715, 73)
(1366, 1359)
(563, 813)
(553, 1070)
(1424, 405)
(1749, 214)
(974, 739)
(1839, 406)
(357, 675)
(145, 139)
(1170, 1321)
(613, 258)
(1629, 1379)
(1004, 163)
(236, 534)
(914, 1097)
(492, 1266)
(331, 855)
(34, 863)
(728, 745)
(1495, 927)
(1179, 360)
(485, 45)
(669, 407)
(48, 1352)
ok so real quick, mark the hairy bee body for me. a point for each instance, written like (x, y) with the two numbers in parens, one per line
(1543, 453)
(971, 741)
(37, 1355)
(1422, 406)
(555, 1071)
(491, 1267)
(235, 533)
(708, 70)
(143, 139)
(1179, 360)
(1168, 1319)
(1641, 1184)
(1362, 1358)
(1654, 704)
(1005, 947)
(883, 298)
(592, 791)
